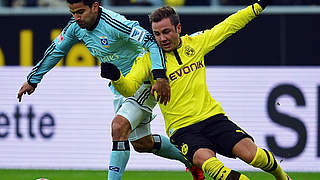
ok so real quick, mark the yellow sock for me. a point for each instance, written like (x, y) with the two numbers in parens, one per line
(243, 177)
(265, 161)
(215, 169)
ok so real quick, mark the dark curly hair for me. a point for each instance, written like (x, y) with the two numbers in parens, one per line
(85, 2)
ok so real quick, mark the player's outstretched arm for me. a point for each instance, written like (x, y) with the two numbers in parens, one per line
(231, 25)
(26, 88)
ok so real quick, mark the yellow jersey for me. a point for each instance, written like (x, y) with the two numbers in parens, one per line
(190, 101)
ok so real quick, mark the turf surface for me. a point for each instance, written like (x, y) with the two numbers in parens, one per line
(6, 174)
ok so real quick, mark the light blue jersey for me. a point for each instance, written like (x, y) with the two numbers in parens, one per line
(112, 39)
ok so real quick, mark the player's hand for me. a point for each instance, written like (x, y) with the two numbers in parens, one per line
(25, 88)
(162, 88)
(110, 71)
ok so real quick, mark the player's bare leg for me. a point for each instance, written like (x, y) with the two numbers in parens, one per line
(156, 144)
(161, 146)
(257, 157)
(144, 144)
(120, 149)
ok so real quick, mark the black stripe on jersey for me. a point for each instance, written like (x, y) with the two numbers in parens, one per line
(144, 95)
(133, 99)
(254, 10)
(163, 58)
(149, 37)
(36, 68)
(176, 54)
(47, 52)
(119, 23)
(116, 24)
(71, 21)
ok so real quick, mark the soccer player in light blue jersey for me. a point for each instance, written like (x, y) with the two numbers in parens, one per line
(111, 38)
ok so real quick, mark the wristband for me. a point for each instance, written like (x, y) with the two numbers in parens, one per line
(34, 85)
(159, 73)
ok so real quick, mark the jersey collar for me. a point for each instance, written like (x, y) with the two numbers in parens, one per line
(179, 46)
(97, 20)
(180, 43)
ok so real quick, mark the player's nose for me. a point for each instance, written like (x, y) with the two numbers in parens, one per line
(76, 17)
(162, 38)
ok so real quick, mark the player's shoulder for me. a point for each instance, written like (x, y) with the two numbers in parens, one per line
(112, 16)
(115, 21)
(108, 12)
(196, 33)
(71, 24)
(144, 55)
(194, 36)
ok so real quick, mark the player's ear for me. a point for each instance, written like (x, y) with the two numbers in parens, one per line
(178, 28)
(95, 6)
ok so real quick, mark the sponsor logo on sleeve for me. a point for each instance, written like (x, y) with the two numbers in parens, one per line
(137, 34)
(60, 39)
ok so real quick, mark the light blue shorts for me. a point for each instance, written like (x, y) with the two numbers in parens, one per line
(138, 117)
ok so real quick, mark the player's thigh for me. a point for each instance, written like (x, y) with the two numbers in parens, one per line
(133, 113)
(117, 102)
(142, 130)
(138, 118)
(189, 140)
(224, 134)
(245, 149)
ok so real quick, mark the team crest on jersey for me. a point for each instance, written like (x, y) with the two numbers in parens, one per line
(184, 149)
(189, 51)
(104, 42)
(137, 34)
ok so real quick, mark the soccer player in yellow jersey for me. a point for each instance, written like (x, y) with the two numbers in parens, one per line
(195, 122)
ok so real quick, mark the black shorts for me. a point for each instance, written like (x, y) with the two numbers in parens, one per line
(217, 133)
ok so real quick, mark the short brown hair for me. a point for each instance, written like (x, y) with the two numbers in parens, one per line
(165, 12)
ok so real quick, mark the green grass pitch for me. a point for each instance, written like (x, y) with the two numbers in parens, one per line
(9, 174)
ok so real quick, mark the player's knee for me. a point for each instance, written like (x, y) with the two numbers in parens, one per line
(143, 145)
(202, 155)
(245, 149)
(120, 128)
(142, 149)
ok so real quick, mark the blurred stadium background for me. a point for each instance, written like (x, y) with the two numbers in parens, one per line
(62, 131)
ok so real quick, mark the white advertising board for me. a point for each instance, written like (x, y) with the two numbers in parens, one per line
(65, 123)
